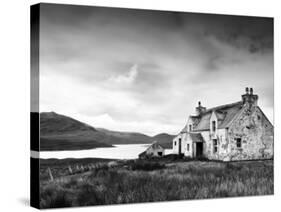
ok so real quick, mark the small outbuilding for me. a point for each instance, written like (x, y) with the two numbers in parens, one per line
(154, 150)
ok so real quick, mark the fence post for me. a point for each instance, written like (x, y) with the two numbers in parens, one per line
(50, 174)
(89, 167)
(70, 169)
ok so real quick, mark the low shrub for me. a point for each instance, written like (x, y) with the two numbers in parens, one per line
(146, 165)
(54, 197)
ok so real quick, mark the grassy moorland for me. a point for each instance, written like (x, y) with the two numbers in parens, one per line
(99, 182)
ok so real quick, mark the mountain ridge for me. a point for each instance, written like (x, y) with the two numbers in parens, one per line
(61, 132)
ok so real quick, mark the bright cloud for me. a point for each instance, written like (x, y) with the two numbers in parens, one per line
(127, 78)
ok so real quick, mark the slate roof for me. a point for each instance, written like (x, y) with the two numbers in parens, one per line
(195, 119)
(184, 130)
(154, 145)
(142, 154)
(196, 137)
(225, 114)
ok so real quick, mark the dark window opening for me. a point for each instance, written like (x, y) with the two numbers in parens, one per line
(213, 126)
(215, 145)
(238, 142)
(179, 145)
(190, 128)
(160, 153)
(175, 143)
(187, 147)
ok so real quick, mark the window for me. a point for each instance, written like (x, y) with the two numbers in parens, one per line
(175, 143)
(213, 126)
(238, 142)
(187, 147)
(215, 145)
(160, 154)
(190, 128)
(180, 147)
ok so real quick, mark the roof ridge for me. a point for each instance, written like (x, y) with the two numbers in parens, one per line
(228, 112)
(222, 106)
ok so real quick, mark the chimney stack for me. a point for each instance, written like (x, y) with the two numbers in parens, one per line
(250, 99)
(200, 109)
(251, 91)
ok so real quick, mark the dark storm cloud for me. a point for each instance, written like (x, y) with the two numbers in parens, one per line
(239, 31)
(147, 69)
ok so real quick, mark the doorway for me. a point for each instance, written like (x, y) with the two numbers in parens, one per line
(179, 146)
(199, 149)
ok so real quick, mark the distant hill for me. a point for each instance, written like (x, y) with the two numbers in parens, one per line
(138, 138)
(126, 137)
(165, 140)
(53, 123)
(59, 132)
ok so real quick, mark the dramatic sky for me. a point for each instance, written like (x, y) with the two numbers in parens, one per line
(145, 71)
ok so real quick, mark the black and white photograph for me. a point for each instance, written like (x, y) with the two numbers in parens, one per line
(137, 105)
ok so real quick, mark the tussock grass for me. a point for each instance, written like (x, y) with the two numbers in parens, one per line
(145, 165)
(150, 181)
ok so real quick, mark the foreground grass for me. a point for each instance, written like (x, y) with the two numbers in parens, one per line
(143, 181)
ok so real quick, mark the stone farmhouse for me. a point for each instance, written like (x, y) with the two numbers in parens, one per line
(237, 131)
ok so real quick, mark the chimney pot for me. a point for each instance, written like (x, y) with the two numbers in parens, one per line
(250, 99)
